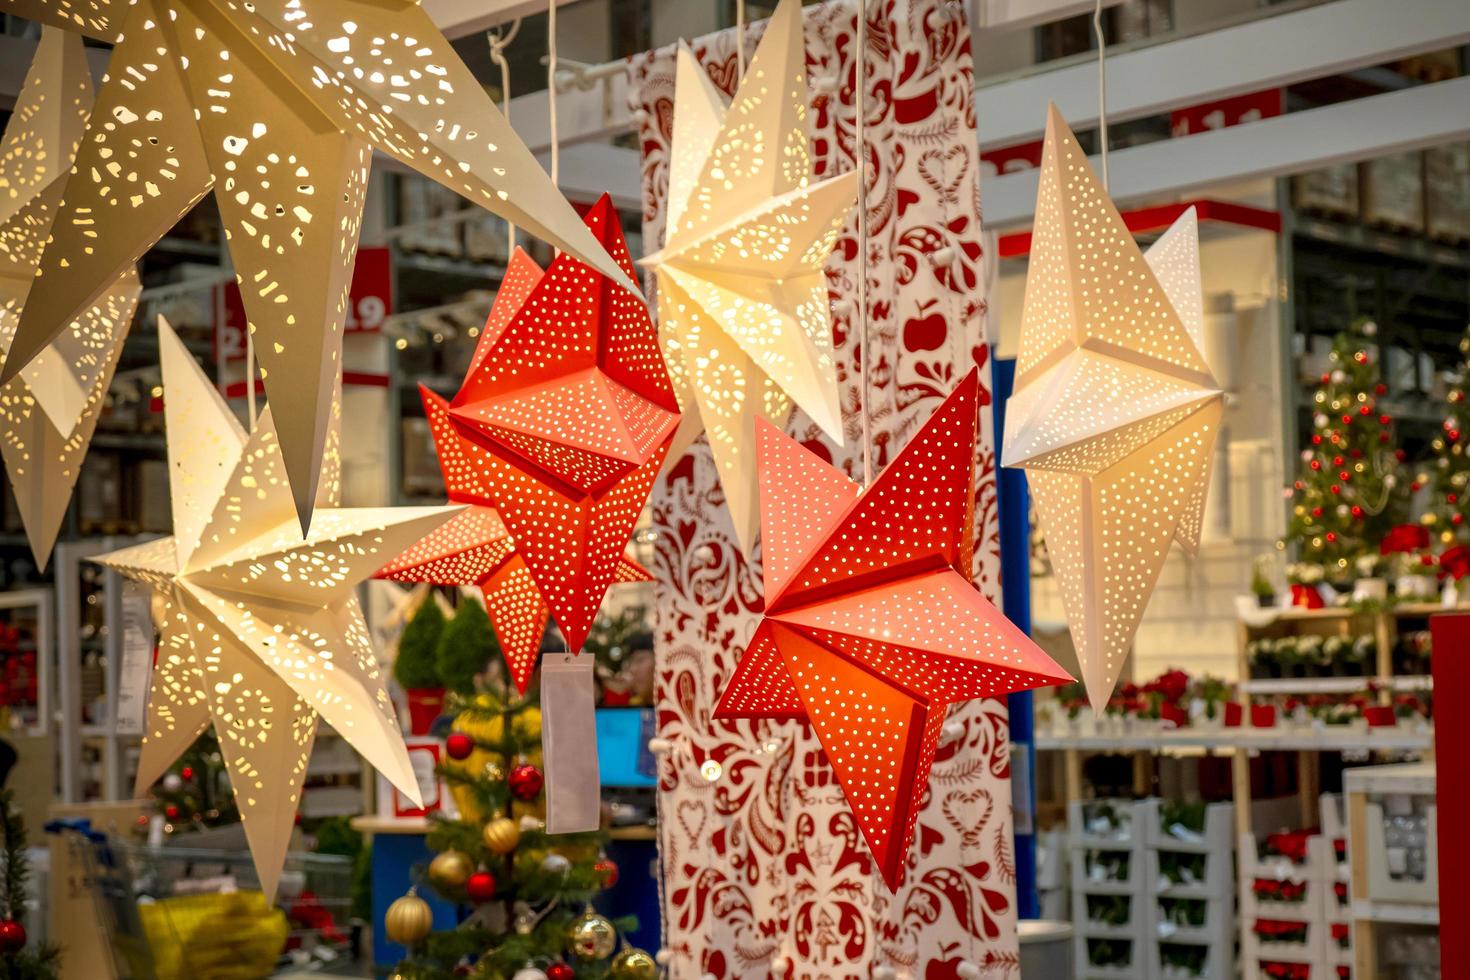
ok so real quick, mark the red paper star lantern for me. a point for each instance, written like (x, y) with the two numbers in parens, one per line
(872, 626)
(568, 402)
(474, 548)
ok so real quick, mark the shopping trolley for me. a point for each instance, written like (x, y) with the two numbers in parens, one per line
(175, 912)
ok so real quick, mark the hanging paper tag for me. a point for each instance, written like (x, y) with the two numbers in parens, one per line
(569, 744)
(136, 667)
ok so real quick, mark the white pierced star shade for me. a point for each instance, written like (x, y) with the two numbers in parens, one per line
(277, 106)
(49, 411)
(744, 316)
(1115, 412)
(262, 632)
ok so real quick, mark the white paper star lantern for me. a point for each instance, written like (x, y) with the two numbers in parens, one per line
(50, 410)
(1115, 412)
(743, 310)
(276, 106)
(262, 632)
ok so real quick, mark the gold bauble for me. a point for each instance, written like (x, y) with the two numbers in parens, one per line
(408, 920)
(450, 870)
(502, 835)
(632, 963)
(591, 937)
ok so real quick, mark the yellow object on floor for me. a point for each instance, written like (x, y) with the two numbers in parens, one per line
(236, 936)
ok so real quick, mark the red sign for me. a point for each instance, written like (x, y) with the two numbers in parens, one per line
(1011, 159)
(1451, 646)
(369, 301)
(1247, 108)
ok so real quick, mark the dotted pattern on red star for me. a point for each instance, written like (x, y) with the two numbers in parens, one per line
(869, 632)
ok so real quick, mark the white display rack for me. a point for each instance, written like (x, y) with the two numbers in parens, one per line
(1053, 862)
(1321, 911)
(1215, 890)
(1085, 841)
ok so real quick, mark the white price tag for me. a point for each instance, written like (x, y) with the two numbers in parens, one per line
(136, 669)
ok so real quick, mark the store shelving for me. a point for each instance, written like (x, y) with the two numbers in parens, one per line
(1105, 841)
(1197, 870)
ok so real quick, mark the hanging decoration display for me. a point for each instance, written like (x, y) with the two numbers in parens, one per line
(567, 414)
(872, 627)
(474, 548)
(744, 315)
(1115, 412)
(49, 410)
(751, 806)
(260, 631)
(278, 106)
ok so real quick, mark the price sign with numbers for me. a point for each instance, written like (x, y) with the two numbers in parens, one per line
(369, 302)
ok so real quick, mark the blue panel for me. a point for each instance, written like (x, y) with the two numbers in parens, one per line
(394, 857)
(1015, 577)
(622, 746)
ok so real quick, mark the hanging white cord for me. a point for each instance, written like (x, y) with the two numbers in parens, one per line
(1102, 90)
(861, 156)
(551, 87)
(739, 39)
(498, 43)
(250, 375)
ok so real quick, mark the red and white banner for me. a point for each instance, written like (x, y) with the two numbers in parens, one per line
(762, 862)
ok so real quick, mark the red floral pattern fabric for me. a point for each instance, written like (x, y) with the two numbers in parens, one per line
(763, 864)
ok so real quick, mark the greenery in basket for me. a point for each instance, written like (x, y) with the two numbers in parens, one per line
(1072, 698)
(1114, 865)
(1180, 868)
(466, 644)
(1181, 957)
(540, 886)
(416, 665)
(28, 962)
(1109, 910)
(1184, 912)
(1181, 813)
(1109, 952)
(335, 835)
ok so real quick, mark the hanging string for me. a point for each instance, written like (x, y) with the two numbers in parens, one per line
(250, 375)
(739, 39)
(498, 43)
(861, 154)
(551, 87)
(1102, 89)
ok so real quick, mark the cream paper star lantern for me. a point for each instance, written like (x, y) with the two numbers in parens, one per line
(276, 105)
(261, 633)
(49, 411)
(744, 316)
(1115, 412)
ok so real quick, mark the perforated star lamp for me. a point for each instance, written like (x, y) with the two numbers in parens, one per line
(262, 633)
(49, 411)
(277, 105)
(872, 627)
(474, 548)
(569, 414)
(744, 315)
(1115, 412)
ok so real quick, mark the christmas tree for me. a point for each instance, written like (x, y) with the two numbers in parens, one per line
(195, 792)
(1347, 495)
(530, 892)
(17, 962)
(1447, 515)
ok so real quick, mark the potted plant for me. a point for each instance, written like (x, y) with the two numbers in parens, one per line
(1261, 655)
(1261, 585)
(1208, 696)
(1305, 579)
(466, 644)
(1311, 656)
(416, 668)
(1406, 547)
(1370, 585)
(1288, 657)
(1072, 698)
(1355, 658)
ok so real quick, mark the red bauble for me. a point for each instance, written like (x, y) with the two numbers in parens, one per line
(480, 887)
(1384, 420)
(459, 745)
(1380, 389)
(1316, 464)
(1316, 511)
(1331, 536)
(559, 971)
(525, 781)
(1337, 461)
(12, 937)
(1335, 488)
(171, 811)
(1452, 497)
(608, 871)
(187, 772)
(1357, 511)
(1457, 519)
(1364, 409)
